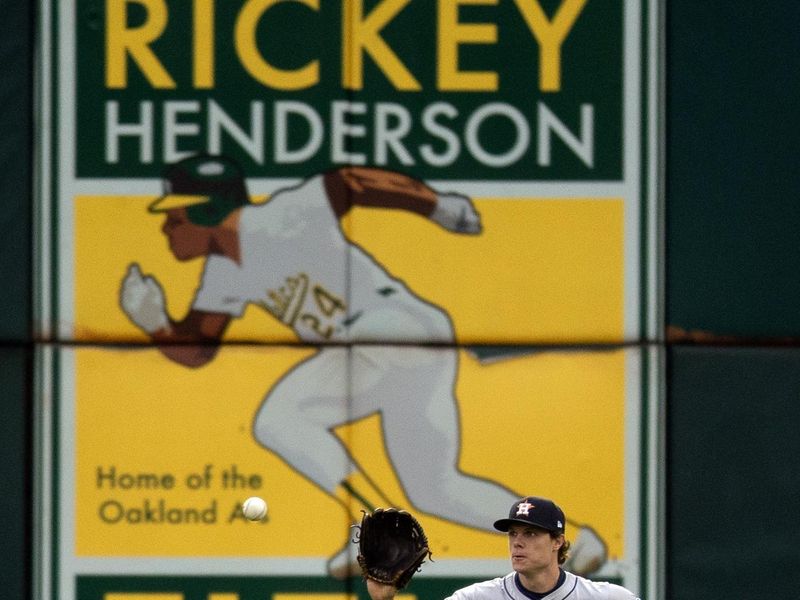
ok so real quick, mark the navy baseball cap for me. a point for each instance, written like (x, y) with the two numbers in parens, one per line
(539, 512)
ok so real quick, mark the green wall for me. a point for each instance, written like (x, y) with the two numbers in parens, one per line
(16, 141)
(732, 178)
(733, 485)
(732, 262)
(15, 516)
(733, 384)
(15, 304)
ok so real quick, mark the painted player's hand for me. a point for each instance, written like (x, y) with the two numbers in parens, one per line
(142, 299)
(456, 213)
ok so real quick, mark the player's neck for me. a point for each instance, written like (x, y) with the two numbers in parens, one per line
(540, 581)
(225, 240)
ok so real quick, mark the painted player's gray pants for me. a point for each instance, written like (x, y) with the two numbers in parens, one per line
(413, 390)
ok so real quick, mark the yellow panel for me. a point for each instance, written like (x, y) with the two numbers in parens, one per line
(542, 270)
(110, 233)
(140, 413)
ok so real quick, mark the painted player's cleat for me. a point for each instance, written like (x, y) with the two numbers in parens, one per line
(588, 552)
(344, 564)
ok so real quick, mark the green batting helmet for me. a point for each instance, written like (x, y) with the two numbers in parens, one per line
(209, 187)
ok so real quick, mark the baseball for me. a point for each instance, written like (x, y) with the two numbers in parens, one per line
(254, 508)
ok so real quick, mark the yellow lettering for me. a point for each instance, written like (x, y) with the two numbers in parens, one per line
(203, 44)
(260, 69)
(361, 35)
(122, 41)
(551, 36)
(451, 35)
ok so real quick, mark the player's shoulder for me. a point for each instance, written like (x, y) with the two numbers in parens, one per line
(588, 589)
(483, 590)
(286, 207)
(309, 187)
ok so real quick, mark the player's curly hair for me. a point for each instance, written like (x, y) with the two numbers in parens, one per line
(563, 551)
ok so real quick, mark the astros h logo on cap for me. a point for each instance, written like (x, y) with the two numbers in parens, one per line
(208, 186)
(539, 512)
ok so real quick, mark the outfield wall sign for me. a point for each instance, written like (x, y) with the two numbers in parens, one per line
(281, 243)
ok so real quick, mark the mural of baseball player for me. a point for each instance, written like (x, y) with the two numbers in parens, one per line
(290, 257)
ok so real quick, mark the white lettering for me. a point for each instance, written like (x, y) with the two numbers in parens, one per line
(285, 108)
(549, 123)
(473, 139)
(386, 137)
(173, 129)
(357, 133)
(341, 130)
(219, 121)
(432, 126)
(142, 130)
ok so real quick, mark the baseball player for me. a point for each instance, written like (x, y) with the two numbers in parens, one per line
(538, 549)
(290, 257)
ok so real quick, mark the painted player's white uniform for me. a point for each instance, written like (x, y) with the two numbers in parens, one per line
(573, 588)
(297, 264)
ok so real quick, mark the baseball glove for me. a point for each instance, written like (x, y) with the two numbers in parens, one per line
(391, 546)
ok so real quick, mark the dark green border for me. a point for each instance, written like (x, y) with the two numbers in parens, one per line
(645, 206)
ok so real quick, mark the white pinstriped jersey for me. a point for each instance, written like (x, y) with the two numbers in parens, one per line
(573, 588)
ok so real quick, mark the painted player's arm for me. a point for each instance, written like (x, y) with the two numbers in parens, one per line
(365, 186)
(192, 342)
